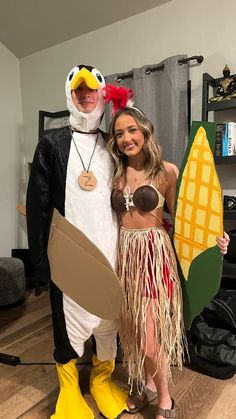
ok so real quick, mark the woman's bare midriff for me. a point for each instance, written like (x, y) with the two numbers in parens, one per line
(135, 219)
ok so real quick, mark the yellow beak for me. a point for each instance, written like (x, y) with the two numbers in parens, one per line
(84, 76)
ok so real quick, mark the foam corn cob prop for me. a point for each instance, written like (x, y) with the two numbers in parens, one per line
(198, 221)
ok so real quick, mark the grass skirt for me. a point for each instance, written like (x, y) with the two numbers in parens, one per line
(149, 279)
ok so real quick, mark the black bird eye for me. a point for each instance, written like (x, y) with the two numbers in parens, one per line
(71, 75)
(99, 77)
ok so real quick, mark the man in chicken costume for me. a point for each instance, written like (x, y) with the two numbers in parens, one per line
(72, 172)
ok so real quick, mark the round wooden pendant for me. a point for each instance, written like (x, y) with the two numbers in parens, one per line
(87, 181)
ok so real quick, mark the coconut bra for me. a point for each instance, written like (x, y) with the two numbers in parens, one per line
(145, 198)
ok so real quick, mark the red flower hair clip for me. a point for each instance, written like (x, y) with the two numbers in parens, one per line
(120, 96)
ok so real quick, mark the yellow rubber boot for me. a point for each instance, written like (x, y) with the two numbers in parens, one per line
(70, 402)
(110, 399)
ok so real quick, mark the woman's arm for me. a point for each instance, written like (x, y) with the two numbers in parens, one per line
(172, 173)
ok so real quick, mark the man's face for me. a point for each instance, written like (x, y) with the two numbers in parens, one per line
(84, 98)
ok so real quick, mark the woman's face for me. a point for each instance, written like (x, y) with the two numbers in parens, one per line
(128, 135)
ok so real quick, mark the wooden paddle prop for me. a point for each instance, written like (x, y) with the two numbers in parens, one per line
(21, 209)
(82, 271)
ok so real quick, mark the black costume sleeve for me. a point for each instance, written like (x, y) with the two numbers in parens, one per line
(39, 205)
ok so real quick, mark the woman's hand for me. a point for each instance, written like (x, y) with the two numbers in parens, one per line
(222, 243)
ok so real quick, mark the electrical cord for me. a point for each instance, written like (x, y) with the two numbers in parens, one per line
(15, 360)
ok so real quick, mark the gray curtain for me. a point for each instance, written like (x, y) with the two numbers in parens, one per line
(161, 93)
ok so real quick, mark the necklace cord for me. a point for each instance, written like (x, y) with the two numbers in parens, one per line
(86, 170)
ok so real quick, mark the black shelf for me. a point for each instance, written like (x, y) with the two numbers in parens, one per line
(225, 159)
(229, 268)
(222, 105)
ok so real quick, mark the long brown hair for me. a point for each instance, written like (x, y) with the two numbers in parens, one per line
(153, 163)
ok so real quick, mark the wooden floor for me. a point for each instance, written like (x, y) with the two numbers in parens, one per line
(31, 391)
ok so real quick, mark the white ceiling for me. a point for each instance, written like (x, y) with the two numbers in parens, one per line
(28, 26)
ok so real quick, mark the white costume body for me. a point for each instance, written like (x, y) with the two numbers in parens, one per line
(91, 212)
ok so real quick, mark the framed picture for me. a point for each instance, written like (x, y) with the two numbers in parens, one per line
(52, 120)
